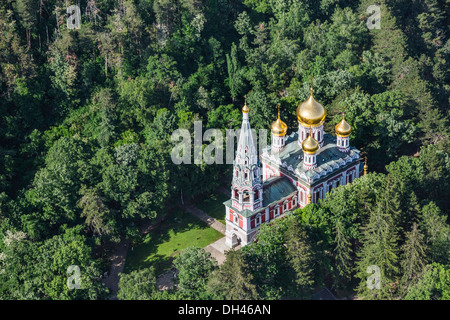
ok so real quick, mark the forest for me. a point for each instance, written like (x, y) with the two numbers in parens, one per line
(87, 115)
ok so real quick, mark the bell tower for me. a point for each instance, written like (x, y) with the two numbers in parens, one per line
(246, 190)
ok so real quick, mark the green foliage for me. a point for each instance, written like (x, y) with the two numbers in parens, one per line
(195, 266)
(433, 285)
(413, 256)
(342, 256)
(137, 285)
(233, 280)
(300, 258)
(87, 117)
(38, 270)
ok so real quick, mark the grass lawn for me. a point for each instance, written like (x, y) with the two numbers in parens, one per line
(178, 231)
(213, 205)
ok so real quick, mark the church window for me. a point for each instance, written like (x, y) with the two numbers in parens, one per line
(246, 197)
(318, 135)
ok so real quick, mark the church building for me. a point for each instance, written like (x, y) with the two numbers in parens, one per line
(295, 170)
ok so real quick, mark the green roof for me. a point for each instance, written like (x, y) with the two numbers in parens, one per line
(274, 190)
(329, 158)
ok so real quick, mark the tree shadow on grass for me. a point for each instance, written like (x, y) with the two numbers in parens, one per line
(164, 238)
(213, 205)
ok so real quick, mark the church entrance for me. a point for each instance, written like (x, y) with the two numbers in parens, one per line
(235, 240)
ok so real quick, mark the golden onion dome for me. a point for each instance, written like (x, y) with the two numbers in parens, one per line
(311, 112)
(310, 145)
(343, 129)
(245, 109)
(278, 127)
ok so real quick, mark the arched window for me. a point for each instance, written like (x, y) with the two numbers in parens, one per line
(258, 220)
(318, 135)
(246, 196)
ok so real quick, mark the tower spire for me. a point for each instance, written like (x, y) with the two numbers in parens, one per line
(245, 108)
(366, 167)
(247, 187)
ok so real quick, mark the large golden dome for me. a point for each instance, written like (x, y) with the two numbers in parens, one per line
(343, 129)
(310, 145)
(310, 112)
(278, 127)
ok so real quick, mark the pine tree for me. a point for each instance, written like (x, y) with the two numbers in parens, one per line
(342, 255)
(300, 257)
(414, 257)
(233, 280)
(380, 250)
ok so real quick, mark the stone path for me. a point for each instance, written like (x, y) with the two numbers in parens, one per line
(165, 280)
(218, 249)
(117, 265)
(210, 221)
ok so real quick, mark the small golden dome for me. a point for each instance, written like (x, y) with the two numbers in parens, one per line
(245, 109)
(310, 145)
(311, 112)
(278, 127)
(343, 129)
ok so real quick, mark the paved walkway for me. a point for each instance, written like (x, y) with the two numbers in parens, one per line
(213, 223)
(117, 265)
(165, 280)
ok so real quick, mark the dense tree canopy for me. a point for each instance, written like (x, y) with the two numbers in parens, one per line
(87, 115)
